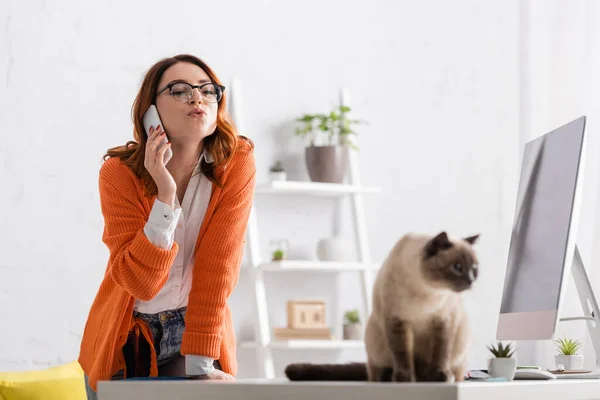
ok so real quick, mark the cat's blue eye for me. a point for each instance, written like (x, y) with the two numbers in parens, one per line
(458, 267)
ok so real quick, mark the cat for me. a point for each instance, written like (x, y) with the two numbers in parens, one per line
(418, 329)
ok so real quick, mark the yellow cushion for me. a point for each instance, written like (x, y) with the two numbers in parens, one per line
(64, 382)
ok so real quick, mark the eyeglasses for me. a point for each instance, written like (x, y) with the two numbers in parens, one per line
(183, 92)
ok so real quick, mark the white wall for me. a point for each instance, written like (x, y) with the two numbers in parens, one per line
(439, 83)
(443, 105)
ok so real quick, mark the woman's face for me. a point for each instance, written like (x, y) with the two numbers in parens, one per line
(190, 117)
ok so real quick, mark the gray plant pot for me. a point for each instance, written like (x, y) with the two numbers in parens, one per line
(353, 332)
(327, 163)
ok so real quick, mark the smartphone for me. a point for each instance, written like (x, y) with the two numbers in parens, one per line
(151, 118)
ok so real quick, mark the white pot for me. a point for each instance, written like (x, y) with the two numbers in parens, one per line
(278, 176)
(570, 363)
(353, 332)
(503, 368)
(330, 249)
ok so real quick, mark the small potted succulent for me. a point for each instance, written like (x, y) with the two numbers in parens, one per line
(503, 365)
(279, 249)
(567, 356)
(277, 255)
(277, 172)
(352, 325)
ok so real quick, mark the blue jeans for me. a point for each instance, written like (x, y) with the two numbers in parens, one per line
(167, 330)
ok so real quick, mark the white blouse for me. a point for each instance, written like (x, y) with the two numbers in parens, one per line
(182, 225)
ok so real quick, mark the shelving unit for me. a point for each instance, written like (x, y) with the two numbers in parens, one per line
(258, 267)
(323, 266)
(309, 344)
(312, 188)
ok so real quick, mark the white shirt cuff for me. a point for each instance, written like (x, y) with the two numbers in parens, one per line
(198, 365)
(160, 228)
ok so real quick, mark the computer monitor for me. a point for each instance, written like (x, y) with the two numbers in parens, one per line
(543, 251)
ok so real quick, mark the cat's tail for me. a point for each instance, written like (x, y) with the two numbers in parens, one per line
(327, 372)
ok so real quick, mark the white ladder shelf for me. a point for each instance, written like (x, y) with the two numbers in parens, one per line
(263, 342)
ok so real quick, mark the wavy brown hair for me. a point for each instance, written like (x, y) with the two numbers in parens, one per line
(221, 144)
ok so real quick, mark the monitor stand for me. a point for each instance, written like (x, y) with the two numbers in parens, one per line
(589, 305)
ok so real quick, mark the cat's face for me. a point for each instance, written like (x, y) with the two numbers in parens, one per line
(450, 264)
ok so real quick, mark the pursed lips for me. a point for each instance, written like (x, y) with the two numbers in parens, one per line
(197, 113)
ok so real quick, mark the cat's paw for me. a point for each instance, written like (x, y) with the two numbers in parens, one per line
(435, 374)
(439, 375)
(386, 374)
(403, 375)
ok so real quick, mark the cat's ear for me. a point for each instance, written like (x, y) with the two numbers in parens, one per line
(437, 243)
(472, 239)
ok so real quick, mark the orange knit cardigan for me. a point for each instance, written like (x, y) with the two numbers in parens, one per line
(138, 269)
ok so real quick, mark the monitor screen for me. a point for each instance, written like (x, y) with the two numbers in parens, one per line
(542, 220)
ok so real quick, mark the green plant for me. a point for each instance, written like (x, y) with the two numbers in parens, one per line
(567, 347)
(502, 351)
(277, 167)
(277, 255)
(335, 126)
(351, 317)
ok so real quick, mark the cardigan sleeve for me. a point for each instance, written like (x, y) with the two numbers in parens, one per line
(136, 264)
(218, 258)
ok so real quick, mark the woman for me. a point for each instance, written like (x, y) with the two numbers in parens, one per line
(175, 225)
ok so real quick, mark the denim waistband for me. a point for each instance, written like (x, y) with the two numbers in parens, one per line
(167, 331)
(161, 316)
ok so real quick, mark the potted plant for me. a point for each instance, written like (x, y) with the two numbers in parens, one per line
(352, 325)
(503, 365)
(277, 255)
(328, 137)
(276, 172)
(279, 249)
(567, 354)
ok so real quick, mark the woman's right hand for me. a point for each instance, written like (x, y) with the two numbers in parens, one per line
(155, 163)
(217, 374)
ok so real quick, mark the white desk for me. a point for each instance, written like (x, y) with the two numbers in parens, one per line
(568, 389)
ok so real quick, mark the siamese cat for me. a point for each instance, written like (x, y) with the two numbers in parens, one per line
(418, 329)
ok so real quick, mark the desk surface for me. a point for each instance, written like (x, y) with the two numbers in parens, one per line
(568, 389)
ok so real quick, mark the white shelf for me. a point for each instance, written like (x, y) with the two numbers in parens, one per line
(351, 190)
(309, 344)
(312, 188)
(321, 266)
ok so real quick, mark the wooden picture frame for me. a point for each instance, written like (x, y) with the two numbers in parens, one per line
(306, 314)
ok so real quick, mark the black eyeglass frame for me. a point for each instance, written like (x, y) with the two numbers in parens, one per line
(199, 87)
